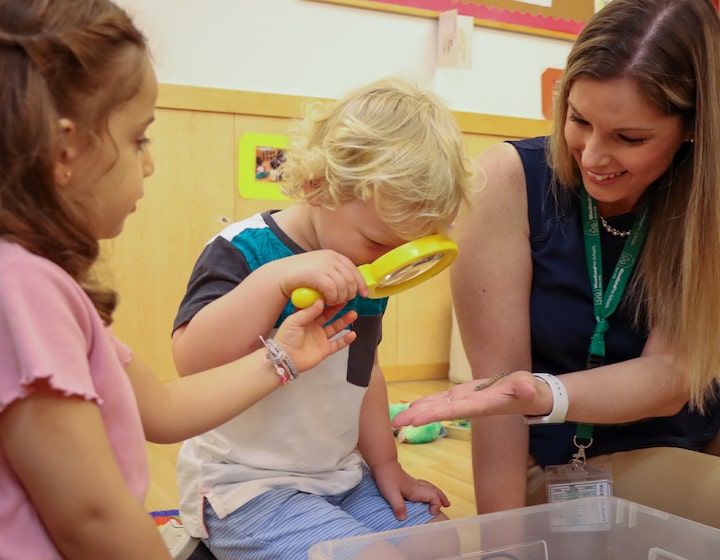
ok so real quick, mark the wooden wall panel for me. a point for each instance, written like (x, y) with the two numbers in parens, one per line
(193, 194)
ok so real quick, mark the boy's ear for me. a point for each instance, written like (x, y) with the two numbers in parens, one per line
(312, 185)
(69, 151)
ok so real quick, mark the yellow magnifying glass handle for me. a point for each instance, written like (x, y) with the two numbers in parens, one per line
(304, 297)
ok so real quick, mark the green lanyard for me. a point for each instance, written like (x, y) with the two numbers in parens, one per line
(605, 302)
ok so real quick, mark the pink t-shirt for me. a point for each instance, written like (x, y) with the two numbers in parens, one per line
(50, 330)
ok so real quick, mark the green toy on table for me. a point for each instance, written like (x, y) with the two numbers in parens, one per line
(416, 434)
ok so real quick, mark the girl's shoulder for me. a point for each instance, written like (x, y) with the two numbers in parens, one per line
(23, 270)
(39, 286)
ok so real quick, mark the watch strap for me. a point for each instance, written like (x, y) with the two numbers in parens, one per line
(560, 401)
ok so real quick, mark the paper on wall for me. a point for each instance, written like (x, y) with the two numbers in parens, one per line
(544, 3)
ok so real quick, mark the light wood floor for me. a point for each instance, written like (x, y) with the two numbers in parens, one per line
(445, 462)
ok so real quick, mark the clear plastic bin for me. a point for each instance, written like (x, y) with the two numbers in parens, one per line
(602, 528)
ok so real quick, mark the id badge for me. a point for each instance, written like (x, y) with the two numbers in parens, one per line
(572, 480)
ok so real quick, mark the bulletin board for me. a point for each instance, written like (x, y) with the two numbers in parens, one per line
(563, 19)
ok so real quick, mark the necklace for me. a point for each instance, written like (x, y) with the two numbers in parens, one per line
(613, 231)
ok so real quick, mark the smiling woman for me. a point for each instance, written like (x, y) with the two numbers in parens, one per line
(623, 322)
(620, 143)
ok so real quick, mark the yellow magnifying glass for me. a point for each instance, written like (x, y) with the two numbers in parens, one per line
(404, 267)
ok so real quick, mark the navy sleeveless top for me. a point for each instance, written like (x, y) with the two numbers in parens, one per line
(562, 320)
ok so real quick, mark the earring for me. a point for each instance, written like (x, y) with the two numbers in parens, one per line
(62, 176)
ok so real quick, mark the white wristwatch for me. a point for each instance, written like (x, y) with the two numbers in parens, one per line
(560, 401)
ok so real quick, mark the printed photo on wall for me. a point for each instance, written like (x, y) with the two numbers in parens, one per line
(260, 159)
(268, 160)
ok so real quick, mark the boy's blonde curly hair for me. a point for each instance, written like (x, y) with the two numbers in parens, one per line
(390, 141)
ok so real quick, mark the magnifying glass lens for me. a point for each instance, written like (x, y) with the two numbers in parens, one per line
(410, 271)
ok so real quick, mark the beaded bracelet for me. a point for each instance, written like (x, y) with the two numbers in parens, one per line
(282, 363)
